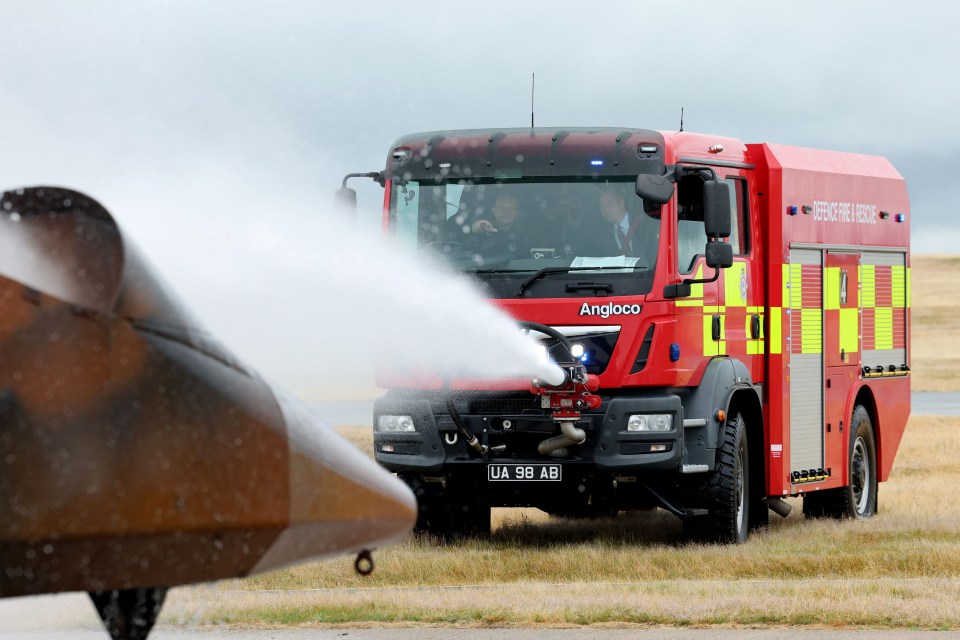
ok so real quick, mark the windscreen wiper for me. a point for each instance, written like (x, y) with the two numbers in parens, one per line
(549, 270)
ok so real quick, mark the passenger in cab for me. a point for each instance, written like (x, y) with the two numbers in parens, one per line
(502, 232)
(618, 230)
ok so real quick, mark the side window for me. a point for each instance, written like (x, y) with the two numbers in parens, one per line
(406, 202)
(454, 193)
(739, 233)
(691, 235)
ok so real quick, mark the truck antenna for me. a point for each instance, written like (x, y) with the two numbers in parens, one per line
(681, 120)
(533, 84)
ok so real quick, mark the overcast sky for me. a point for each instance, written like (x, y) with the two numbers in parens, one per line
(216, 132)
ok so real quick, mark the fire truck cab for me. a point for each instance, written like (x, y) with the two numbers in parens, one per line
(733, 320)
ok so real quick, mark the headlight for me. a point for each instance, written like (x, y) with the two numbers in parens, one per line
(395, 424)
(650, 422)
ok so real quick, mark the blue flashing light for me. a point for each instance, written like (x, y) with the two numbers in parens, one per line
(596, 163)
(792, 210)
(674, 352)
(901, 217)
(584, 358)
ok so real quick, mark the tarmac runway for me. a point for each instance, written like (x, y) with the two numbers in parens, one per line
(72, 617)
(360, 412)
(446, 633)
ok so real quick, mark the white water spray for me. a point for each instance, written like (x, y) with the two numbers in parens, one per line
(363, 303)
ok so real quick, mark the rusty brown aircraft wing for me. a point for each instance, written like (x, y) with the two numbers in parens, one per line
(135, 451)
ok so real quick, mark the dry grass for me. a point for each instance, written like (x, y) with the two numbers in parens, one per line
(936, 322)
(882, 603)
(899, 569)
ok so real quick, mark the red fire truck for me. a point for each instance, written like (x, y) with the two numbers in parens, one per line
(732, 321)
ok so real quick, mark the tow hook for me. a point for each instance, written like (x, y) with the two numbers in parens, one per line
(364, 563)
(471, 439)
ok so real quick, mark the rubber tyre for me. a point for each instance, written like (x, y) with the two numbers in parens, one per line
(449, 513)
(857, 500)
(725, 491)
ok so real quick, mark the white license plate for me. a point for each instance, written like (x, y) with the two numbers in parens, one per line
(524, 472)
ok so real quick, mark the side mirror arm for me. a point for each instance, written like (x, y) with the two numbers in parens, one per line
(345, 198)
(682, 289)
(719, 255)
(376, 176)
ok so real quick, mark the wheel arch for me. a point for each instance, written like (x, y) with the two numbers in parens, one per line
(727, 385)
(865, 397)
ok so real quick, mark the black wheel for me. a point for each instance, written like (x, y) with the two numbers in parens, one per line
(449, 512)
(129, 614)
(725, 491)
(759, 516)
(858, 499)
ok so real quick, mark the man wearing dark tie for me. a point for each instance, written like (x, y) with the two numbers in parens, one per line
(614, 232)
(614, 210)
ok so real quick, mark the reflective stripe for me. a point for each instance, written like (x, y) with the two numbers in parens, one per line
(885, 300)
(733, 277)
(868, 285)
(908, 287)
(898, 285)
(831, 280)
(850, 330)
(811, 329)
(696, 292)
(776, 334)
(795, 286)
(713, 347)
(883, 334)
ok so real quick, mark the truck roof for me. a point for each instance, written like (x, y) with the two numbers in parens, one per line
(588, 152)
(825, 161)
(467, 134)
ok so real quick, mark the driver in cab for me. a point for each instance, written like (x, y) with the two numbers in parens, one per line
(501, 233)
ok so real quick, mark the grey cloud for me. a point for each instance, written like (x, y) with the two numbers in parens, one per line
(220, 117)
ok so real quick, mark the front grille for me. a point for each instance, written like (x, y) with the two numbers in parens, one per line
(505, 406)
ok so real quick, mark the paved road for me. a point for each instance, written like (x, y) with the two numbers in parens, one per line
(360, 412)
(936, 403)
(71, 617)
(445, 633)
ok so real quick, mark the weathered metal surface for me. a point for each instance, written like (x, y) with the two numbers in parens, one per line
(134, 449)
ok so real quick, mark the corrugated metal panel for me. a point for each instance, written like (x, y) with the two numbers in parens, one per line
(885, 301)
(806, 359)
(806, 411)
(884, 258)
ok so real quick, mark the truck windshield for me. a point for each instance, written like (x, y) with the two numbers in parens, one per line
(505, 230)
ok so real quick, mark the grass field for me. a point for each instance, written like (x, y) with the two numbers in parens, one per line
(901, 569)
(935, 326)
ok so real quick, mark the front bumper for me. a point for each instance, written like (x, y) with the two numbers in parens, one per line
(437, 447)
